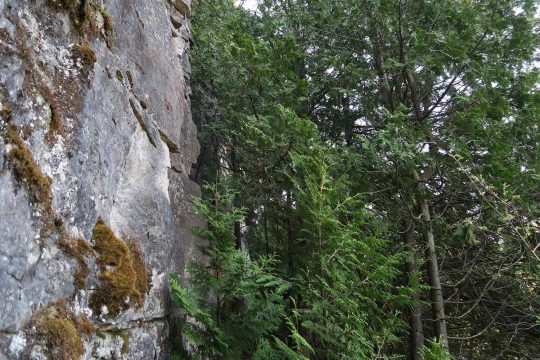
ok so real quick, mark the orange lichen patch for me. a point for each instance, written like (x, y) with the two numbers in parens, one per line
(79, 249)
(28, 173)
(62, 330)
(119, 272)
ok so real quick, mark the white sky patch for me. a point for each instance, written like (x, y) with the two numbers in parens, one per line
(248, 4)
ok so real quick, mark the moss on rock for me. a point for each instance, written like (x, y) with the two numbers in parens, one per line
(121, 333)
(84, 15)
(62, 330)
(36, 84)
(79, 249)
(84, 52)
(28, 173)
(5, 106)
(142, 279)
(120, 275)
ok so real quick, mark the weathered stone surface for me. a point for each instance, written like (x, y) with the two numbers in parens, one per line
(116, 138)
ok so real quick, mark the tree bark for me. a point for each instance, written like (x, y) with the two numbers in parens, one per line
(415, 316)
(237, 225)
(437, 301)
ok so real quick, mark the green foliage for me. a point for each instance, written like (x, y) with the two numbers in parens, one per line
(332, 125)
(352, 270)
(435, 352)
(234, 303)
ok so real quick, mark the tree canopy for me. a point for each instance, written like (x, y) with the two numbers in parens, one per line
(372, 184)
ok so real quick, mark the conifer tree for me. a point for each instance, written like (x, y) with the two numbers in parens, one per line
(385, 158)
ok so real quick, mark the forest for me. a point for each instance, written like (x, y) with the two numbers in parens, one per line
(370, 174)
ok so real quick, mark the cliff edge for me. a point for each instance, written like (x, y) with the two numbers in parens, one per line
(96, 148)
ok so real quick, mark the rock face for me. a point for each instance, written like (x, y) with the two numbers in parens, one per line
(95, 123)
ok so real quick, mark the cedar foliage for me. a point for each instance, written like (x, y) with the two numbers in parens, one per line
(379, 160)
(235, 304)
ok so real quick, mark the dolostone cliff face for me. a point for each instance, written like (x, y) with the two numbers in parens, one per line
(96, 148)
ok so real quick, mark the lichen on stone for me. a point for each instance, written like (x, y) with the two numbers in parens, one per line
(121, 333)
(123, 274)
(28, 173)
(35, 83)
(61, 330)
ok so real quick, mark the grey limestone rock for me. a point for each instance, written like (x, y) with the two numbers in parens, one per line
(103, 105)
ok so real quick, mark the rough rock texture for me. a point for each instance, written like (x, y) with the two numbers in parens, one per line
(103, 105)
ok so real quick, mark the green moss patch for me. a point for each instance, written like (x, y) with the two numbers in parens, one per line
(28, 173)
(80, 250)
(123, 274)
(62, 331)
(56, 123)
(5, 107)
(108, 26)
(181, 6)
(142, 279)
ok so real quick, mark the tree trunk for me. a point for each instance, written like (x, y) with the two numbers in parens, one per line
(415, 316)
(437, 301)
(237, 225)
(290, 237)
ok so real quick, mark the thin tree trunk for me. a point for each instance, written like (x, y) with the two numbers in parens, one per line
(437, 301)
(290, 238)
(237, 225)
(238, 235)
(415, 316)
(266, 244)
